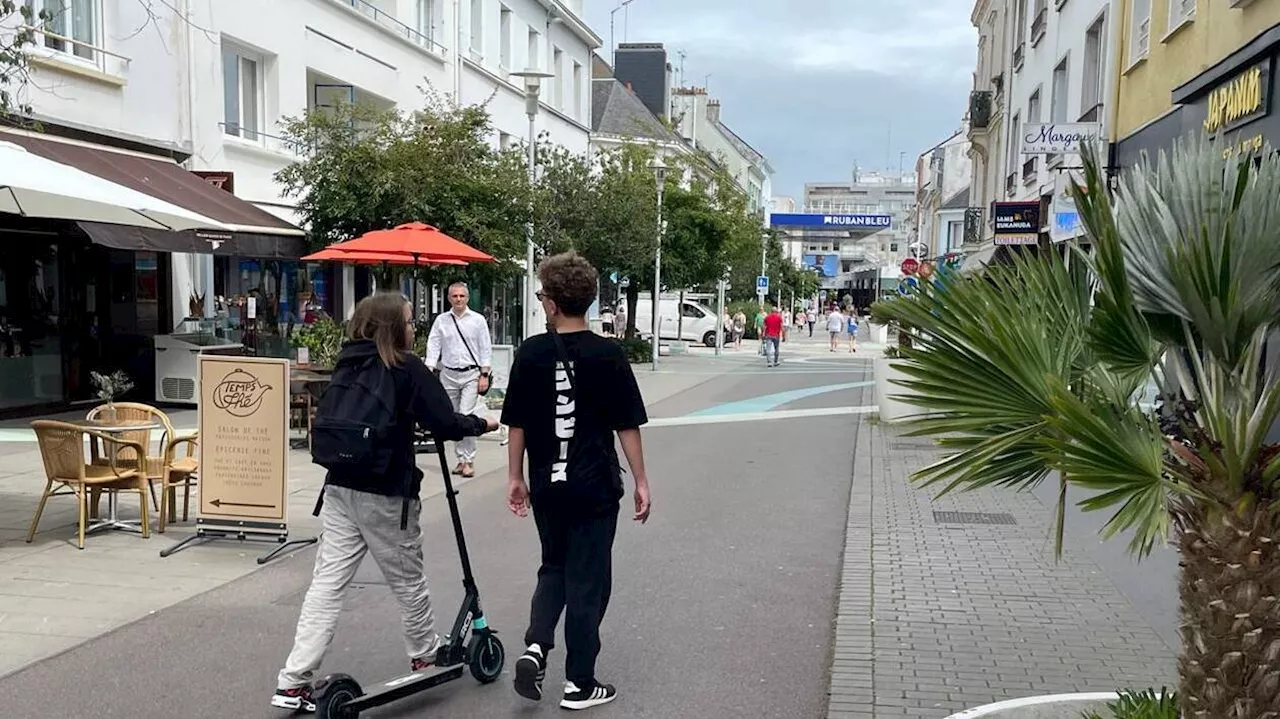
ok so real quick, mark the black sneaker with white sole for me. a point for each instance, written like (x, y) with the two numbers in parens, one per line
(575, 698)
(531, 669)
(298, 699)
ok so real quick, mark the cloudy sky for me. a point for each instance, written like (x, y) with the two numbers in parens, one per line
(817, 85)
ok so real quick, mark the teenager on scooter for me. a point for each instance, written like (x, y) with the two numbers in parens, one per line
(371, 505)
(569, 392)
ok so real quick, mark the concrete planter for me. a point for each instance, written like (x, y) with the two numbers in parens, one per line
(878, 334)
(892, 410)
(1053, 706)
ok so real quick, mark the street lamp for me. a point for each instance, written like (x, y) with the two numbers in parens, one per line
(612, 47)
(660, 176)
(532, 86)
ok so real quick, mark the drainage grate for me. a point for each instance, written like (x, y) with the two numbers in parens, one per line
(973, 518)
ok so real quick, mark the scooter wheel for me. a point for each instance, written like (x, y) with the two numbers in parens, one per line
(486, 657)
(333, 694)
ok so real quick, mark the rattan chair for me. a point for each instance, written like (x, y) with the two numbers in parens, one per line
(68, 471)
(178, 472)
(158, 467)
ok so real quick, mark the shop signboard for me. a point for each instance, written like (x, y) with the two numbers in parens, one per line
(1016, 223)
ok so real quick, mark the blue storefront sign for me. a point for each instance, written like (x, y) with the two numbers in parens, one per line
(835, 222)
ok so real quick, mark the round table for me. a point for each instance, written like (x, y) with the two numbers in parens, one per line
(117, 426)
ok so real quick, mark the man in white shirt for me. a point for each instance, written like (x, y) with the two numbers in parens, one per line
(460, 346)
(835, 326)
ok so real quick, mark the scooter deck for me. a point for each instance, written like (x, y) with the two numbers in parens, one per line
(404, 686)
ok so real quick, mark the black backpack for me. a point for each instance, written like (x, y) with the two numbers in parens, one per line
(355, 420)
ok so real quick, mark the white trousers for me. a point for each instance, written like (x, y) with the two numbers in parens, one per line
(353, 524)
(462, 388)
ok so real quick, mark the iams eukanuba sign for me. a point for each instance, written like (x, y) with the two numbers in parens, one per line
(1056, 138)
(868, 222)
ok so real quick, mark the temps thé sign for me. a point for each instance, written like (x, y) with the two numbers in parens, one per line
(1055, 138)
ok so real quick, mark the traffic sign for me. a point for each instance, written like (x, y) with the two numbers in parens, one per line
(762, 283)
(910, 265)
(907, 285)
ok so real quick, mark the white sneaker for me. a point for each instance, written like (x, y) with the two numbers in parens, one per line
(575, 698)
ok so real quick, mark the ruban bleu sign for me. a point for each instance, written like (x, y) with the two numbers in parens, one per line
(868, 222)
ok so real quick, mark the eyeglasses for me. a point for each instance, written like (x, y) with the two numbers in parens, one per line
(539, 294)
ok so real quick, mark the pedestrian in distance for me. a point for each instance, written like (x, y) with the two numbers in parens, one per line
(739, 328)
(569, 392)
(853, 329)
(773, 324)
(363, 434)
(835, 326)
(459, 346)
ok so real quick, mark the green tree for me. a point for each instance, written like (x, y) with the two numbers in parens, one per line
(14, 66)
(364, 169)
(625, 233)
(1179, 296)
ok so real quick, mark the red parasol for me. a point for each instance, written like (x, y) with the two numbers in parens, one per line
(414, 239)
(331, 254)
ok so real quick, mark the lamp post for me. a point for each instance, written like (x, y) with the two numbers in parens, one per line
(532, 87)
(659, 175)
(613, 12)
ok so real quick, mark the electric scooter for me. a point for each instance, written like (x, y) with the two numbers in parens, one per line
(472, 644)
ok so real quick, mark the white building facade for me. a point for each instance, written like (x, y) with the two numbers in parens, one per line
(943, 176)
(696, 116)
(1061, 71)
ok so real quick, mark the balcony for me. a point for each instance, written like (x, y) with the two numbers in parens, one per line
(980, 109)
(76, 57)
(1019, 54)
(1010, 184)
(1030, 170)
(1093, 114)
(1039, 26)
(422, 37)
(973, 227)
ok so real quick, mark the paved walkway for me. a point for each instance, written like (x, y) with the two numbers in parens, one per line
(941, 613)
(44, 585)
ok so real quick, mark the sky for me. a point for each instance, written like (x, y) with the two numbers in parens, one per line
(816, 85)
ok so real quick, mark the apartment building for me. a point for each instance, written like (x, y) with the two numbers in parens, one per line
(1191, 67)
(843, 252)
(696, 117)
(943, 176)
(988, 129)
(1059, 80)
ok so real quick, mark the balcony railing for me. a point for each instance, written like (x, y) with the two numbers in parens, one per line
(973, 228)
(1030, 169)
(1018, 54)
(76, 52)
(980, 109)
(388, 21)
(1039, 25)
(1093, 114)
(263, 140)
(1010, 184)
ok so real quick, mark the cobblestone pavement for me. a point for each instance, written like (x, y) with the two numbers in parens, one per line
(938, 615)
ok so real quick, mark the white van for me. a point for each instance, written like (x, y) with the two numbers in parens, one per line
(698, 324)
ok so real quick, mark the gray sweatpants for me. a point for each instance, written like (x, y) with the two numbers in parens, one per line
(353, 523)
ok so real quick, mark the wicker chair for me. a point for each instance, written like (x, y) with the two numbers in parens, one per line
(68, 471)
(178, 472)
(158, 468)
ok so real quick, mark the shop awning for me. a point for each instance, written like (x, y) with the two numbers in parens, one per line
(254, 232)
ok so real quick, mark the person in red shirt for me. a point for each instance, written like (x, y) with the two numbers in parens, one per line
(772, 336)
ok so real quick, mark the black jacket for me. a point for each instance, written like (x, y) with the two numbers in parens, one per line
(421, 401)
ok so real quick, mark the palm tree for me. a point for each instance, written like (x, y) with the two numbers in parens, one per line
(1036, 368)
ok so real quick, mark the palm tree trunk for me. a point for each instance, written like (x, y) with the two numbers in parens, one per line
(1230, 602)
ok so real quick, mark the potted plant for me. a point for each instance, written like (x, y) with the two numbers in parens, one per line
(109, 387)
(1033, 369)
(323, 340)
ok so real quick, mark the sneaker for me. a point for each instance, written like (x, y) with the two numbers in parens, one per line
(575, 698)
(298, 699)
(531, 669)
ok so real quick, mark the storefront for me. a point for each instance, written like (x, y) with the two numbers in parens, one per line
(1231, 102)
(78, 297)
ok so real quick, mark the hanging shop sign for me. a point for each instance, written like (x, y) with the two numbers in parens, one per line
(1016, 223)
(1066, 217)
(1058, 137)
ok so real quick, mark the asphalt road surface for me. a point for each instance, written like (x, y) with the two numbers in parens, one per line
(723, 604)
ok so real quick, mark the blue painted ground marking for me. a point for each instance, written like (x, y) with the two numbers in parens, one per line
(764, 403)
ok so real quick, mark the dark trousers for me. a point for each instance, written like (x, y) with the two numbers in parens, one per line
(576, 577)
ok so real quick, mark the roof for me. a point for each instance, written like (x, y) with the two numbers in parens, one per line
(744, 145)
(615, 110)
(255, 232)
(958, 201)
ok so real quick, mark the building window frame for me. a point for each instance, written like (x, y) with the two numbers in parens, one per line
(1093, 82)
(245, 121)
(1181, 14)
(475, 35)
(1139, 31)
(73, 31)
(506, 25)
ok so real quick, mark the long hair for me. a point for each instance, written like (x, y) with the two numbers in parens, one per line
(380, 317)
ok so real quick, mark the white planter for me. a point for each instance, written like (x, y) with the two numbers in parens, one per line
(1052, 706)
(892, 410)
(878, 334)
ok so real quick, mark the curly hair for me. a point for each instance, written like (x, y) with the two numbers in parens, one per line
(569, 281)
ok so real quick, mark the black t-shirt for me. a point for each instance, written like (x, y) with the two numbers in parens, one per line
(573, 463)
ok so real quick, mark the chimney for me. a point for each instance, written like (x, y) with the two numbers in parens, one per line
(643, 67)
(713, 111)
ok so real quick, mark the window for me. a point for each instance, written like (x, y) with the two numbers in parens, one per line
(1015, 131)
(1033, 108)
(1095, 41)
(1139, 30)
(1058, 101)
(477, 29)
(241, 93)
(1020, 22)
(1181, 11)
(557, 81)
(533, 50)
(426, 19)
(893, 247)
(72, 26)
(577, 90)
(1039, 22)
(504, 59)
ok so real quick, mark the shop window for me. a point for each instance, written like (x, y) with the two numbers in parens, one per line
(31, 342)
(71, 26)
(241, 93)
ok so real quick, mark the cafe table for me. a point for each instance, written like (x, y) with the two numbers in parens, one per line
(114, 427)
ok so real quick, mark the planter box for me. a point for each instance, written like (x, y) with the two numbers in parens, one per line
(892, 410)
(1054, 706)
(878, 334)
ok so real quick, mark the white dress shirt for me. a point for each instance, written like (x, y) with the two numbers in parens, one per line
(444, 344)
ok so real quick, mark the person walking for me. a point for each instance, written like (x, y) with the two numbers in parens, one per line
(369, 502)
(570, 391)
(460, 343)
(772, 324)
(835, 325)
(852, 327)
(739, 328)
(812, 318)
